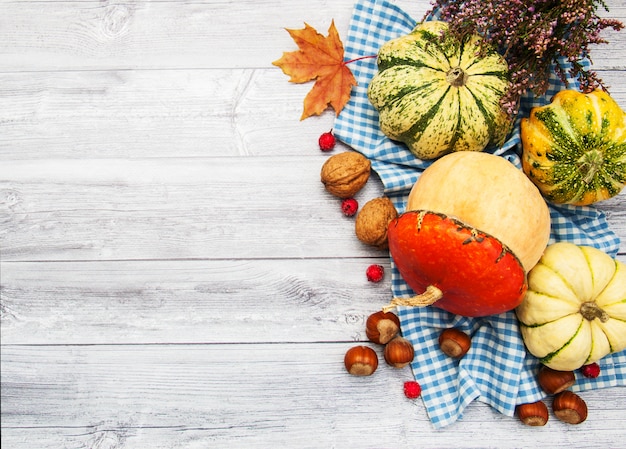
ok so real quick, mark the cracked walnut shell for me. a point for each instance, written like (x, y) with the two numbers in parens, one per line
(344, 174)
(372, 222)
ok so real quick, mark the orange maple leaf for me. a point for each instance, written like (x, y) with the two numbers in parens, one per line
(321, 59)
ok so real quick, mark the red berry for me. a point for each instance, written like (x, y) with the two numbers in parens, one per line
(375, 273)
(412, 389)
(327, 141)
(591, 371)
(349, 206)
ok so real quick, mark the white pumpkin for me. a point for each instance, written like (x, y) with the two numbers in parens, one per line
(574, 312)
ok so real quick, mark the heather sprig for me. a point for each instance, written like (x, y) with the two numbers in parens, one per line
(533, 36)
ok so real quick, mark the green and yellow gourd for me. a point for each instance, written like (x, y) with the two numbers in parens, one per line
(574, 149)
(438, 94)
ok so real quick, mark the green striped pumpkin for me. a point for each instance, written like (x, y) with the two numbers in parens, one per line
(574, 149)
(438, 94)
(574, 311)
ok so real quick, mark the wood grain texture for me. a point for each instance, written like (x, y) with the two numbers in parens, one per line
(214, 301)
(154, 113)
(216, 208)
(94, 35)
(172, 273)
(248, 395)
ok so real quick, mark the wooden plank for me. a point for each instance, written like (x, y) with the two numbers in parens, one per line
(164, 113)
(241, 395)
(221, 301)
(90, 35)
(216, 208)
(181, 113)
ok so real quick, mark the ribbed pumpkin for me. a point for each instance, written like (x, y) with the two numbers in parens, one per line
(574, 311)
(574, 149)
(438, 94)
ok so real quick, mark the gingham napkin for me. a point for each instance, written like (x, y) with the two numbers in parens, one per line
(497, 370)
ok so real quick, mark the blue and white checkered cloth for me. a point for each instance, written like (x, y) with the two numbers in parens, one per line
(497, 370)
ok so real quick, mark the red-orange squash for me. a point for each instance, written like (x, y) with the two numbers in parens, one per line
(461, 269)
(474, 226)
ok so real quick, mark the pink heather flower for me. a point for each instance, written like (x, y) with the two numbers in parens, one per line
(532, 35)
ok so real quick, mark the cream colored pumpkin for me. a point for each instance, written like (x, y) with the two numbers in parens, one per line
(574, 311)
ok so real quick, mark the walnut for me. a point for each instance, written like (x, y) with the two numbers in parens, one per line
(372, 222)
(344, 174)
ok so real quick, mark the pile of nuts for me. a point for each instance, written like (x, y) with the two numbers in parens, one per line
(344, 175)
(382, 328)
(566, 405)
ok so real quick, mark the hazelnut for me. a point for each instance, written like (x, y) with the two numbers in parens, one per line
(552, 381)
(569, 407)
(381, 327)
(373, 220)
(399, 352)
(344, 174)
(533, 413)
(361, 361)
(454, 343)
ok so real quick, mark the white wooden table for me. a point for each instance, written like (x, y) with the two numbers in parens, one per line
(173, 274)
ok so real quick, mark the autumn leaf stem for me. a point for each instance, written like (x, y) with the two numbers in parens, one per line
(358, 59)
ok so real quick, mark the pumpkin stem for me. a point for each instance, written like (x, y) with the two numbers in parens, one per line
(590, 310)
(456, 77)
(430, 296)
(589, 164)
